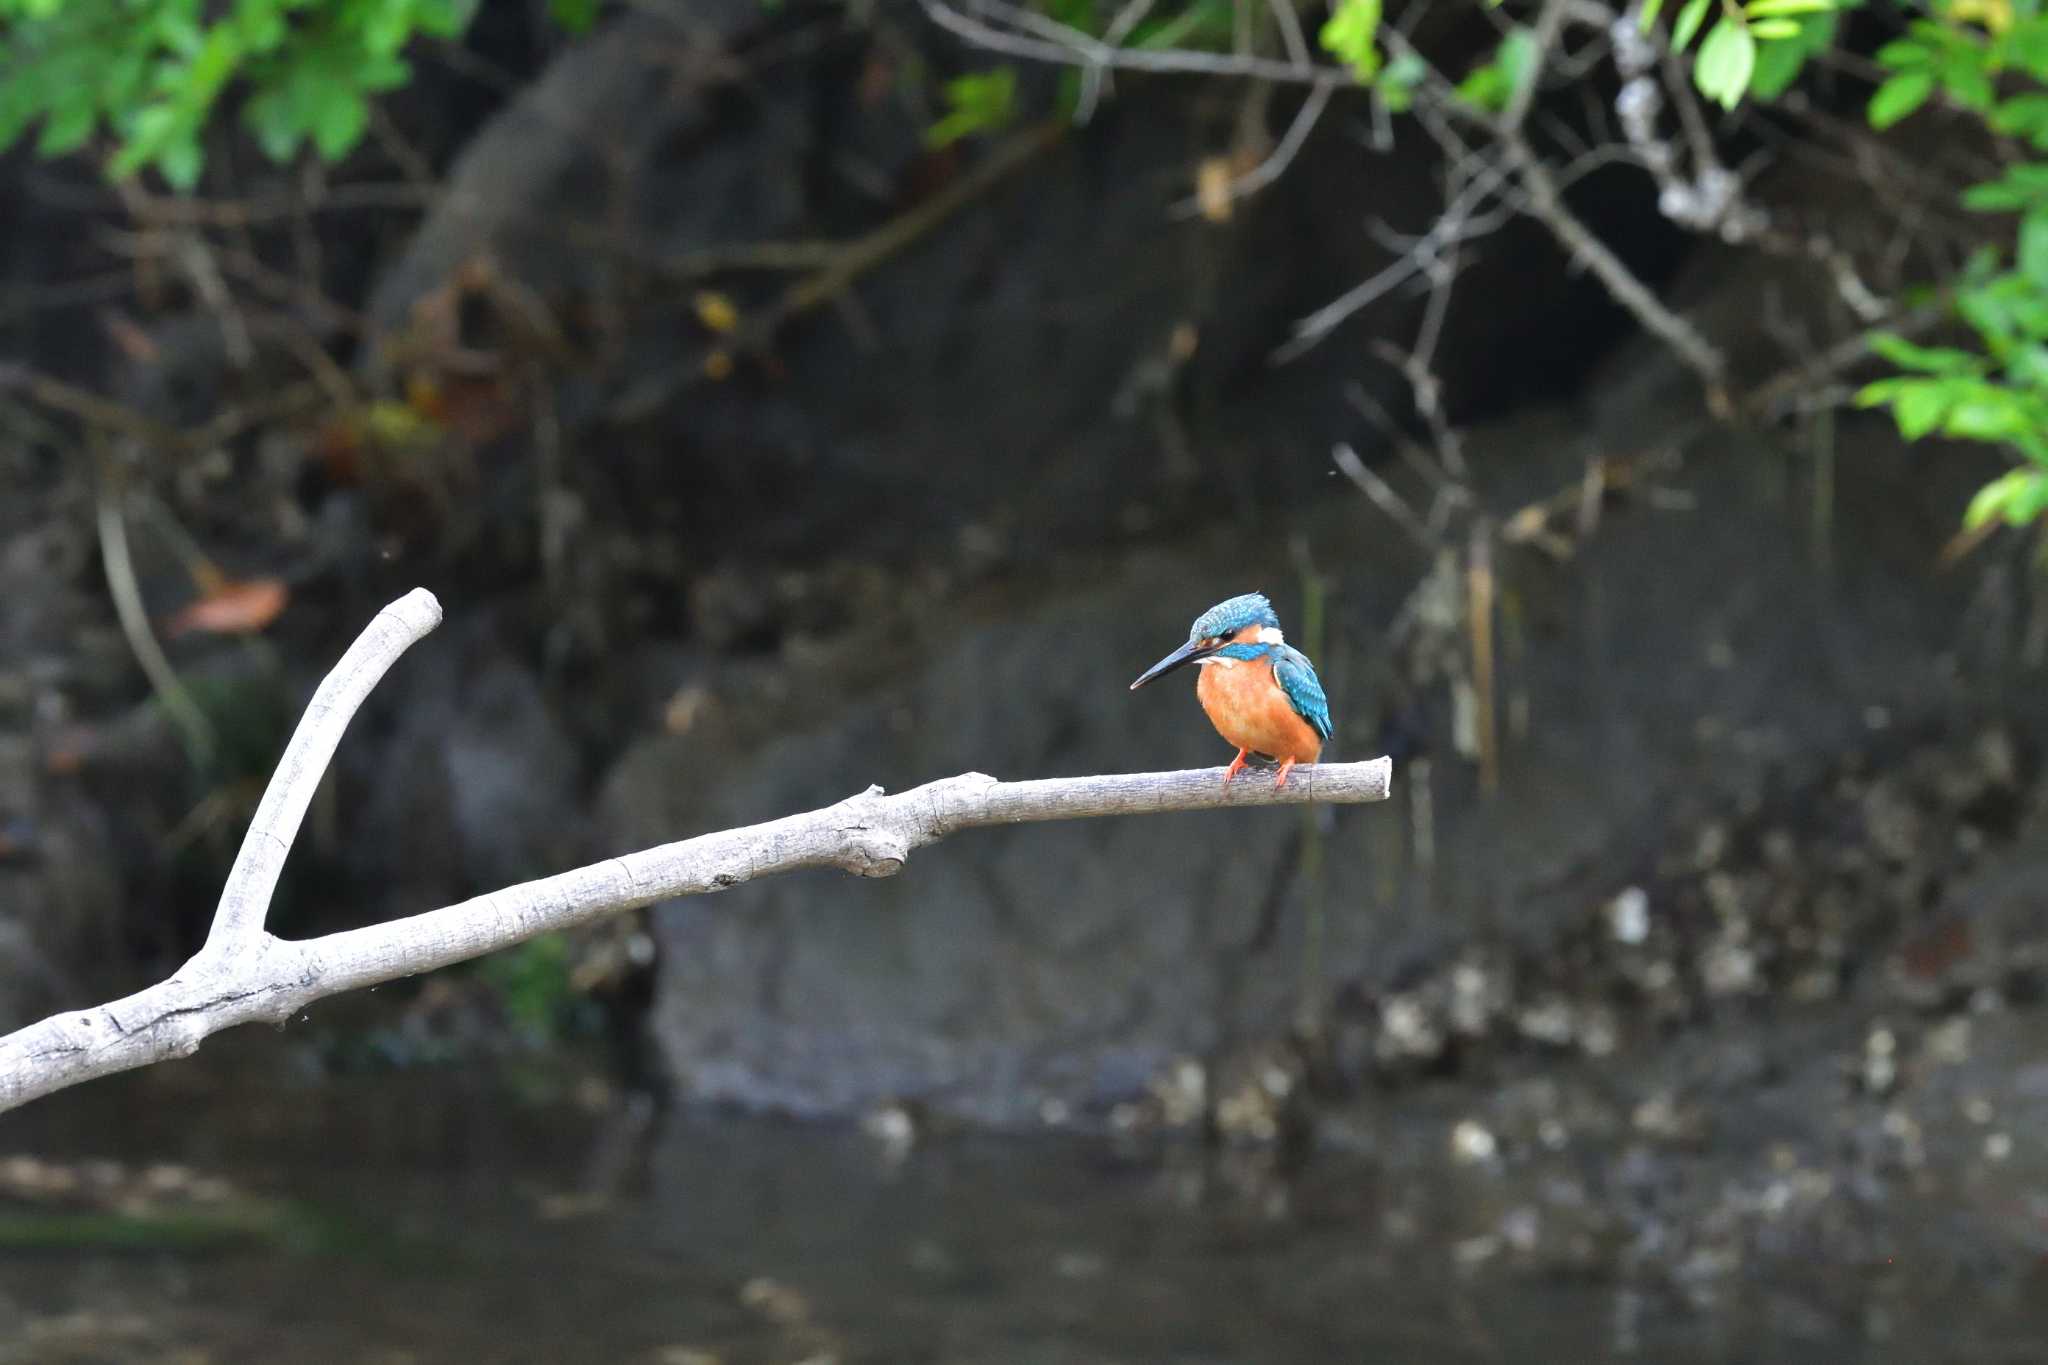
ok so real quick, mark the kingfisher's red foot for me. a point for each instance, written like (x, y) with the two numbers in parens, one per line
(1286, 766)
(1236, 766)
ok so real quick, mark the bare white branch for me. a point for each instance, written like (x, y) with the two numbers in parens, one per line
(246, 897)
(246, 975)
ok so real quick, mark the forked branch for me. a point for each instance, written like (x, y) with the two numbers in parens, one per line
(244, 974)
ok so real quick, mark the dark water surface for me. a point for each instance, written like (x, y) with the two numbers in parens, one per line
(426, 1218)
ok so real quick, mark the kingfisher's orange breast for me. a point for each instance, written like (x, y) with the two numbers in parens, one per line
(1244, 702)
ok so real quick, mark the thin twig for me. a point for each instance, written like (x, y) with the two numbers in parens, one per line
(1419, 459)
(1290, 32)
(134, 616)
(1271, 169)
(849, 261)
(1078, 49)
(1549, 23)
(1480, 588)
(1095, 79)
(1547, 205)
(1383, 495)
(102, 413)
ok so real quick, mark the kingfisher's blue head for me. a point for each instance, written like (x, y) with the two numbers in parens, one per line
(1243, 618)
(1227, 618)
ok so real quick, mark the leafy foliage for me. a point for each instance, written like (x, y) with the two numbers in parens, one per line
(984, 102)
(1493, 85)
(1997, 391)
(152, 73)
(1351, 35)
(1756, 49)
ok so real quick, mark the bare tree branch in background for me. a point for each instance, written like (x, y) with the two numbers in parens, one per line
(1710, 199)
(1520, 171)
(245, 974)
(1046, 40)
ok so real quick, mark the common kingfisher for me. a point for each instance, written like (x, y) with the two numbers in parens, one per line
(1259, 692)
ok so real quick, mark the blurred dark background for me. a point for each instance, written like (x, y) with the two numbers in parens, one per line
(1680, 1004)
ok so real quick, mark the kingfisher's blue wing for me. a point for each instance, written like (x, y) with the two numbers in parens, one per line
(1297, 678)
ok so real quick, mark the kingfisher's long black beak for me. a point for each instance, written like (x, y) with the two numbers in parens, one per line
(1186, 654)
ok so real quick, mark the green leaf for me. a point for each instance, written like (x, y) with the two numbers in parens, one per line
(1903, 54)
(2017, 491)
(217, 59)
(2021, 185)
(2027, 366)
(1493, 86)
(1397, 84)
(1997, 197)
(386, 27)
(1075, 14)
(1927, 359)
(1918, 408)
(382, 73)
(1727, 60)
(2027, 45)
(446, 18)
(981, 103)
(2033, 248)
(2031, 502)
(2024, 116)
(1517, 58)
(263, 26)
(179, 162)
(67, 129)
(574, 15)
(1648, 15)
(1990, 316)
(1900, 96)
(1765, 9)
(1968, 83)
(1774, 29)
(178, 30)
(1780, 63)
(1689, 20)
(340, 121)
(1350, 34)
(148, 128)
(1989, 416)
(271, 118)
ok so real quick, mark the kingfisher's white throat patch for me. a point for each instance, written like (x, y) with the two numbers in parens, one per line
(1216, 659)
(1270, 635)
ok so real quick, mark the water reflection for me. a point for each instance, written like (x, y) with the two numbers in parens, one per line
(426, 1219)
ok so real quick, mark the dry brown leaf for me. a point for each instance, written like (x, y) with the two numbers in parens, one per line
(128, 336)
(1212, 188)
(236, 608)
